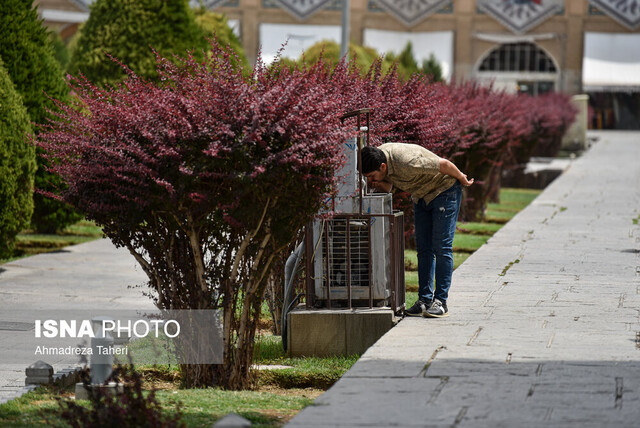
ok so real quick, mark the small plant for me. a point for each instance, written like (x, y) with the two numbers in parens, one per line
(133, 407)
(507, 267)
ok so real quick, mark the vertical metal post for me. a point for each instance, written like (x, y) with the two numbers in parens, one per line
(368, 125)
(327, 263)
(392, 262)
(359, 148)
(401, 278)
(349, 260)
(399, 250)
(346, 23)
(309, 265)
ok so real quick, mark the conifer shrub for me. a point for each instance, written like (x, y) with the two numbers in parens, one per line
(328, 51)
(27, 53)
(25, 48)
(128, 30)
(408, 65)
(404, 65)
(432, 68)
(17, 165)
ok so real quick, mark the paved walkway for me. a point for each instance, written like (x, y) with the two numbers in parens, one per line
(92, 275)
(545, 320)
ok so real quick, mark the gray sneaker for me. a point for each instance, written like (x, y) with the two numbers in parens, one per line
(437, 310)
(418, 309)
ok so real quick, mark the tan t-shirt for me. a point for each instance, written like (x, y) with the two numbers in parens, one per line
(415, 170)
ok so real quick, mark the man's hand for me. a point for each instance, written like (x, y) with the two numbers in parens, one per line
(448, 168)
(464, 181)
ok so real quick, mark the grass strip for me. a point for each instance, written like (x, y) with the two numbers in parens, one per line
(199, 407)
(29, 243)
(202, 407)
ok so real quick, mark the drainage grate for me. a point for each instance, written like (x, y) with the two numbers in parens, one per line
(15, 326)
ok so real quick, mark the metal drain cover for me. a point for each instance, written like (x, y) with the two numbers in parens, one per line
(15, 326)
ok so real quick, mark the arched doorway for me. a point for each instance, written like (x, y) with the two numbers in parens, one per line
(519, 67)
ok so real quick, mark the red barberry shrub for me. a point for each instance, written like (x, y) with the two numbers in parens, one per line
(550, 115)
(484, 124)
(204, 176)
(498, 130)
(403, 112)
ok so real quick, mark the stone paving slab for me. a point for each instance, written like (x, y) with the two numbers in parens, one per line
(545, 320)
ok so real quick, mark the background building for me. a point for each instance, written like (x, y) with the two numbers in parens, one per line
(533, 46)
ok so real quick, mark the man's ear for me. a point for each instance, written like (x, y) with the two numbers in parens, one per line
(383, 168)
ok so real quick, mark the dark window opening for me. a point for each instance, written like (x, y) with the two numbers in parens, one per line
(518, 57)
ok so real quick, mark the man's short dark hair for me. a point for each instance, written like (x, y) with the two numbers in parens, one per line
(372, 158)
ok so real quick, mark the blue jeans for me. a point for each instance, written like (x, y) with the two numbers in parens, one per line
(435, 226)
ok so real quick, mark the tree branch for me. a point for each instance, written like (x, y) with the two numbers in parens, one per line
(198, 259)
(246, 241)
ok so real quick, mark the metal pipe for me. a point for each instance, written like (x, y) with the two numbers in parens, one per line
(346, 24)
(290, 268)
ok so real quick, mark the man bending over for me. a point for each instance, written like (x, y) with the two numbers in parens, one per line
(435, 185)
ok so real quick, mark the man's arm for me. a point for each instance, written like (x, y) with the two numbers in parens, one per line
(448, 168)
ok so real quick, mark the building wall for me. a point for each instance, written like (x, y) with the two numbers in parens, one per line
(463, 19)
(65, 29)
(68, 5)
